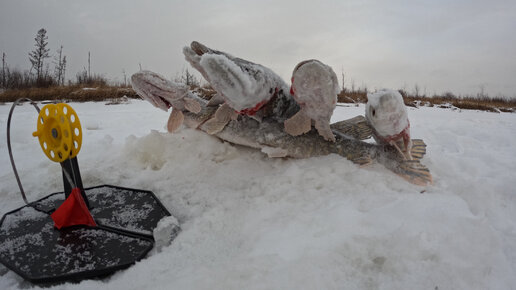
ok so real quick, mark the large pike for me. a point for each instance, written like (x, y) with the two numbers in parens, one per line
(270, 137)
(267, 133)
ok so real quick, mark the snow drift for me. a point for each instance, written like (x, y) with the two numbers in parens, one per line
(250, 222)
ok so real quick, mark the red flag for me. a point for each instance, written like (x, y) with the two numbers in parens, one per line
(73, 212)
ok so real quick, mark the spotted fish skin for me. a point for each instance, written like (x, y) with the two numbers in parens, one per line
(248, 132)
(269, 135)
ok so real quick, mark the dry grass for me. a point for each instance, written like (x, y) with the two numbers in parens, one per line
(69, 93)
(445, 101)
(121, 94)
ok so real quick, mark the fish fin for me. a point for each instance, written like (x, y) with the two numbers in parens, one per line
(362, 160)
(356, 127)
(298, 124)
(225, 113)
(323, 128)
(216, 100)
(192, 105)
(274, 152)
(195, 120)
(222, 116)
(414, 172)
(213, 126)
(175, 120)
(199, 48)
(418, 149)
(394, 144)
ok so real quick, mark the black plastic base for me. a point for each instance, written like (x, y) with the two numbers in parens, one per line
(35, 250)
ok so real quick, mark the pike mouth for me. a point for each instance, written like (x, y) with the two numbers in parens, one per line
(167, 103)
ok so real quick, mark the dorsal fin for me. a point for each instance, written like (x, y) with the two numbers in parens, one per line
(356, 128)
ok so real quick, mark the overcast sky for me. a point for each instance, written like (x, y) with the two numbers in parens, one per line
(440, 45)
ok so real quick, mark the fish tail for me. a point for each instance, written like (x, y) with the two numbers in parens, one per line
(418, 149)
(414, 172)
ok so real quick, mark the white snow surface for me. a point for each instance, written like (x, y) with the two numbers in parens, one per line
(250, 222)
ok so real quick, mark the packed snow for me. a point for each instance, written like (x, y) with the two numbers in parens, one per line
(250, 222)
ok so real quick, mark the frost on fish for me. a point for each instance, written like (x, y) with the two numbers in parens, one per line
(258, 112)
(165, 94)
(315, 87)
(159, 91)
(242, 84)
(387, 115)
(386, 112)
(269, 137)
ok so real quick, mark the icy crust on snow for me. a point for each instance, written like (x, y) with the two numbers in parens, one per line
(30, 243)
(251, 222)
(238, 89)
(127, 209)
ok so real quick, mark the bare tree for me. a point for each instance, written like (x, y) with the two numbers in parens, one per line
(482, 93)
(343, 80)
(125, 77)
(416, 90)
(38, 55)
(60, 66)
(4, 74)
(89, 63)
(187, 78)
(64, 70)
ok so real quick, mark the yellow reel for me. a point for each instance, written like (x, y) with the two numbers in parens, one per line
(59, 132)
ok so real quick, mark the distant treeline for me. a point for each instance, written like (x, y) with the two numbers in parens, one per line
(446, 100)
(43, 72)
(45, 80)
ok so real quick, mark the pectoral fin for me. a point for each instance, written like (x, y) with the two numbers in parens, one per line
(222, 116)
(216, 100)
(175, 120)
(192, 105)
(214, 126)
(323, 128)
(225, 113)
(298, 124)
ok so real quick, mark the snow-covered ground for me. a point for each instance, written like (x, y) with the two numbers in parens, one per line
(250, 222)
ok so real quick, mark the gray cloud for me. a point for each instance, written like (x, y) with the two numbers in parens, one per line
(453, 46)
